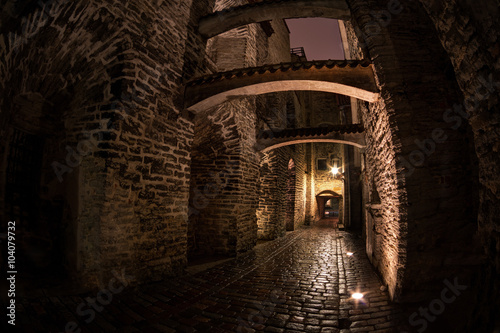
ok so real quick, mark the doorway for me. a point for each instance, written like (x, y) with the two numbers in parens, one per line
(329, 206)
(36, 206)
(331, 209)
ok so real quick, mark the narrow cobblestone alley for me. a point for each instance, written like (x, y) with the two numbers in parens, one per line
(299, 283)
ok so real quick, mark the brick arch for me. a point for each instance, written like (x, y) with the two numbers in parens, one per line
(329, 193)
(299, 141)
(222, 21)
(352, 78)
(345, 134)
(323, 197)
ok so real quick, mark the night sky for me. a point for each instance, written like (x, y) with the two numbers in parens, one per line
(320, 37)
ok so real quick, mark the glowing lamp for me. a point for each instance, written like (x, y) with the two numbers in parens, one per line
(357, 296)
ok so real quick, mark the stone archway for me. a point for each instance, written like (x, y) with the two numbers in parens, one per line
(299, 141)
(404, 157)
(36, 184)
(352, 78)
(400, 123)
(234, 17)
(330, 206)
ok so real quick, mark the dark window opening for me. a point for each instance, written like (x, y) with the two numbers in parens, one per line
(321, 164)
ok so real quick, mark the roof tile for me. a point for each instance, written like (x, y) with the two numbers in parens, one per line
(285, 66)
(312, 131)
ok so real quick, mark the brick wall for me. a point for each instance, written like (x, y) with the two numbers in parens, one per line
(115, 74)
(227, 224)
(272, 193)
(413, 74)
(323, 180)
(300, 185)
(469, 32)
(113, 78)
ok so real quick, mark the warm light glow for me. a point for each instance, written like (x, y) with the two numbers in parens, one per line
(335, 171)
(357, 296)
(350, 253)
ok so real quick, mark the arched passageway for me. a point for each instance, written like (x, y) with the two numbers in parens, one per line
(351, 135)
(299, 141)
(131, 194)
(330, 206)
(352, 78)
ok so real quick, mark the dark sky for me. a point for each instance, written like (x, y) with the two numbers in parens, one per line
(320, 37)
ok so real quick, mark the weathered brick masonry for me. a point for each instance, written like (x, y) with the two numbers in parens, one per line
(469, 33)
(227, 222)
(92, 94)
(430, 192)
(113, 71)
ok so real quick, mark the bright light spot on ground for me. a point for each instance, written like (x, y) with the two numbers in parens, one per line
(350, 253)
(357, 296)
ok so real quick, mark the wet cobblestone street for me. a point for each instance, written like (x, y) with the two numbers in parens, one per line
(299, 283)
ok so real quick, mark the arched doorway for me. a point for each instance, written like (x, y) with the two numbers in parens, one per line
(329, 206)
(332, 207)
(31, 194)
(290, 197)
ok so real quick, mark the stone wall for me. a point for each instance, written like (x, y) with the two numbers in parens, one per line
(273, 182)
(114, 78)
(100, 84)
(215, 173)
(311, 205)
(227, 222)
(299, 159)
(469, 32)
(323, 109)
(323, 179)
(425, 210)
(223, 154)
(273, 200)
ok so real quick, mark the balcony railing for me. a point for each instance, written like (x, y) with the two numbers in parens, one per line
(298, 51)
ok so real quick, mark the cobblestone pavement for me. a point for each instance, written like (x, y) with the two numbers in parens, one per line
(299, 283)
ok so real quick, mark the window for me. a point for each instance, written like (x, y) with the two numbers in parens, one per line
(321, 164)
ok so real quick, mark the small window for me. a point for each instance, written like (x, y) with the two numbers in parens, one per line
(321, 164)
